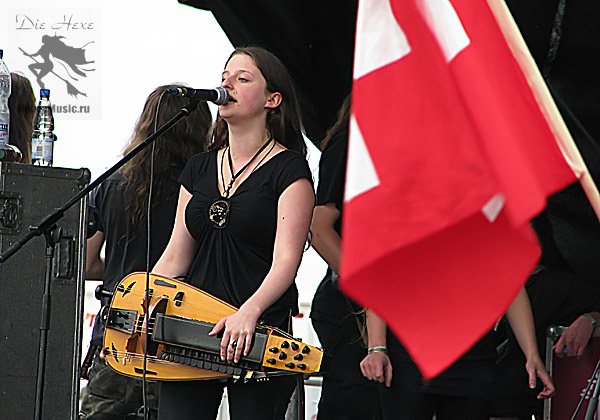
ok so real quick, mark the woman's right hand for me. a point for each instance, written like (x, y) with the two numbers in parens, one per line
(377, 367)
(536, 369)
(238, 331)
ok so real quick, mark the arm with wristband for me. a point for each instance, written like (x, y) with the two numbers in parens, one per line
(376, 366)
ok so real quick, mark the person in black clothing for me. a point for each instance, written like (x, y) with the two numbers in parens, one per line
(559, 296)
(242, 223)
(337, 320)
(122, 205)
(564, 287)
(464, 391)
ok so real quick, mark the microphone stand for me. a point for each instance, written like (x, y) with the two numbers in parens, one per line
(593, 403)
(47, 226)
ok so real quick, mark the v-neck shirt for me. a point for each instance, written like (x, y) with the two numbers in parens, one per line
(232, 261)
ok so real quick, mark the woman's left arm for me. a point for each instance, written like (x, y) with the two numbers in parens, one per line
(520, 318)
(294, 212)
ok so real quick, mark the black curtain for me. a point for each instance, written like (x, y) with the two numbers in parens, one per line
(314, 39)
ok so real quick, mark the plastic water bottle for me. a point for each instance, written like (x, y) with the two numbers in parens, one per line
(42, 145)
(8, 153)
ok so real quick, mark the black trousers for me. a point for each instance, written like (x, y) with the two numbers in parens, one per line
(345, 394)
(200, 400)
(461, 392)
(420, 406)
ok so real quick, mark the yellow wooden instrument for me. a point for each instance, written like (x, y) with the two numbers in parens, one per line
(172, 335)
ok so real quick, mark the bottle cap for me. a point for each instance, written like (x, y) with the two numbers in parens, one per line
(45, 93)
(1, 53)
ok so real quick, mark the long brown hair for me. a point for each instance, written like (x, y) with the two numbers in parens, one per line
(21, 103)
(172, 149)
(341, 123)
(283, 122)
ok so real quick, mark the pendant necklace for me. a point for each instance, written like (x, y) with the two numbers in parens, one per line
(218, 211)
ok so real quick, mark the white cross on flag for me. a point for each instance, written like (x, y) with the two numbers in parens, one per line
(450, 157)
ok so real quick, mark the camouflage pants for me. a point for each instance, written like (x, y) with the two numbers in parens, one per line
(110, 396)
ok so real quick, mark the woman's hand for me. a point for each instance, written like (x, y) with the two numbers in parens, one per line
(574, 339)
(520, 319)
(535, 369)
(377, 367)
(238, 331)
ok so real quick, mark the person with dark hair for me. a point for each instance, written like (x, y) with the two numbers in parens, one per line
(338, 321)
(121, 203)
(242, 223)
(21, 103)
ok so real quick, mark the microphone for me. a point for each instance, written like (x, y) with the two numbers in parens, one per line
(218, 95)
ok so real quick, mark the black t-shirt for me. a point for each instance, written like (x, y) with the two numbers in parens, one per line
(125, 250)
(231, 261)
(332, 175)
(329, 303)
(126, 247)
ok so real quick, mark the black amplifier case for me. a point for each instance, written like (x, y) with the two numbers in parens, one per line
(28, 194)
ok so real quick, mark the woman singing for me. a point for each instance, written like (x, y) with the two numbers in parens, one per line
(242, 222)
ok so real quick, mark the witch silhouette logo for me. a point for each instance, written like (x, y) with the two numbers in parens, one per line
(55, 50)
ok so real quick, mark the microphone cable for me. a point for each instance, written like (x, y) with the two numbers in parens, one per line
(148, 242)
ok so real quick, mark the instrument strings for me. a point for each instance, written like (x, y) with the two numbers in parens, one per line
(138, 356)
(200, 308)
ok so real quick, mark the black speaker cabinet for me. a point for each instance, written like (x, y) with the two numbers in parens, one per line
(27, 194)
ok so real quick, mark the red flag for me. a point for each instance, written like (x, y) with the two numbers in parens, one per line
(449, 159)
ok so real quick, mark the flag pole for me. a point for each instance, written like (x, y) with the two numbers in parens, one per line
(544, 99)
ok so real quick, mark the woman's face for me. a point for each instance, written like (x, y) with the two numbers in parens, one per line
(247, 89)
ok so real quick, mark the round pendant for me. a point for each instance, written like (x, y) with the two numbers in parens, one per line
(218, 213)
